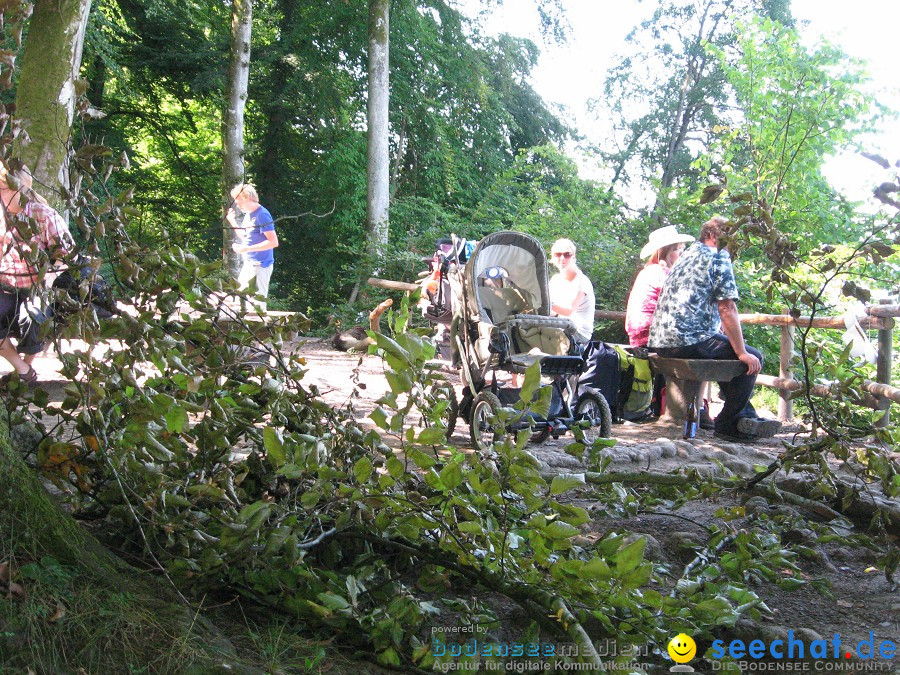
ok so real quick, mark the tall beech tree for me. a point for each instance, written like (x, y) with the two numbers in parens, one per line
(46, 93)
(460, 102)
(377, 114)
(233, 117)
(668, 92)
(377, 136)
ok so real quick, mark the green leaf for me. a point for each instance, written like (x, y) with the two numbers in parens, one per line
(391, 347)
(632, 555)
(432, 436)
(259, 517)
(559, 530)
(206, 490)
(717, 606)
(176, 420)
(637, 577)
(395, 467)
(333, 601)
(451, 475)
(420, 459)
(433, 480)
(573, 515)
(565, 481)
(542, 405)
(531, 383)
(274, 447)
(362, 469)
(379, 417)
(389, 657)
(596, 568)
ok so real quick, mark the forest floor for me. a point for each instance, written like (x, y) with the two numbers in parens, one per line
(858, 605)
(859, 599)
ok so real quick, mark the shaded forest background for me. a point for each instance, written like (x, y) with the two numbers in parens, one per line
(705, 92)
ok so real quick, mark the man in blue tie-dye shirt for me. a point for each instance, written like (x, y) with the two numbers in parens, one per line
(697, 318)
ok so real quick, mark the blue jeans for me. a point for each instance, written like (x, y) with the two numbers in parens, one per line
(735, 393)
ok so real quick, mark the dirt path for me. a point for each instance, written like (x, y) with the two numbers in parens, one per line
(861, 601)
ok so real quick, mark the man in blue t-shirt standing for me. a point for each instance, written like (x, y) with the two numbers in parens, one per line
(697, 318)
(259, 239)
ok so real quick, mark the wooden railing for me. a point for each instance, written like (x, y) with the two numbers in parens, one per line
(879, 393)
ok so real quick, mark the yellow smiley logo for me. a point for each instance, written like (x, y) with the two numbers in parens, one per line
(682, 648)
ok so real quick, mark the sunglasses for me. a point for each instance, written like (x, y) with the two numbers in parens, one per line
(562, 254)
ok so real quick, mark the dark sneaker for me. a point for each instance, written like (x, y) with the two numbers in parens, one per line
(706, 422)
(735, 437)
(757, 426)
(29, 378)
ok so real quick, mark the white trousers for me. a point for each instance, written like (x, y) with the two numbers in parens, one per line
(263, 275)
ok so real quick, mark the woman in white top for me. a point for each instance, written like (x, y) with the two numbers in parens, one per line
(571, 292)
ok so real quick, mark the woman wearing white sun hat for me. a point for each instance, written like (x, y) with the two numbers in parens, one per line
(663, 247)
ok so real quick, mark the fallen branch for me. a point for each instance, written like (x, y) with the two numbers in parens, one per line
(356, 339)
(524, 595)
(638, 478)
(375, 315)
(392, 285)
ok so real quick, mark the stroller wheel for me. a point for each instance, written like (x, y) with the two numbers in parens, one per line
(539, 436)
(483, 417)
(596, 409)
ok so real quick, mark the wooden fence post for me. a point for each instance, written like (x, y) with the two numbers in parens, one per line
(785, 404)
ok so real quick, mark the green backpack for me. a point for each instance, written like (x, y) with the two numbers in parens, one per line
(636, 390)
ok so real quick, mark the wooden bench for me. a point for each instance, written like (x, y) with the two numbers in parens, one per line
(684, 377)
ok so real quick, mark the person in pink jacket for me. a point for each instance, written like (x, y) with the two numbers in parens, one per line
(663, 248)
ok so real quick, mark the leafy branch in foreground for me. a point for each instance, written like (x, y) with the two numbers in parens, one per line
(801, 105)
(194, 438)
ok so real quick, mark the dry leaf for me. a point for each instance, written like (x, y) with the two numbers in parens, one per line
(4, 572)
(871, 569)
(16, 589)
(844, 603)
(59, 613)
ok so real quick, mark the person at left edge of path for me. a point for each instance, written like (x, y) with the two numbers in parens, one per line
(571, 292)
(697, 318)
(32, 236)
(258, 229)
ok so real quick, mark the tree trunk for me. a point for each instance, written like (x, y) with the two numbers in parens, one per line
(233, 119)
(45, 99)
(377, 197)
(146, 621)
(377, 168)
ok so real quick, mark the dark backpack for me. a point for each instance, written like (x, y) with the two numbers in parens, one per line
(602, 373)
(85, 286)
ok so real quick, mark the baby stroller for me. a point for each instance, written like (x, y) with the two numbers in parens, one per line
(449, 256)
(502, 322)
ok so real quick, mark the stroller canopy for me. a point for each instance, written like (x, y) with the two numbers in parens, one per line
(508, 260)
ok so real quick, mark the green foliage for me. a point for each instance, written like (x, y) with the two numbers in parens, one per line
(195, 440)
(461, 109)
(541, 194)
(236, 479)
(666, 94)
